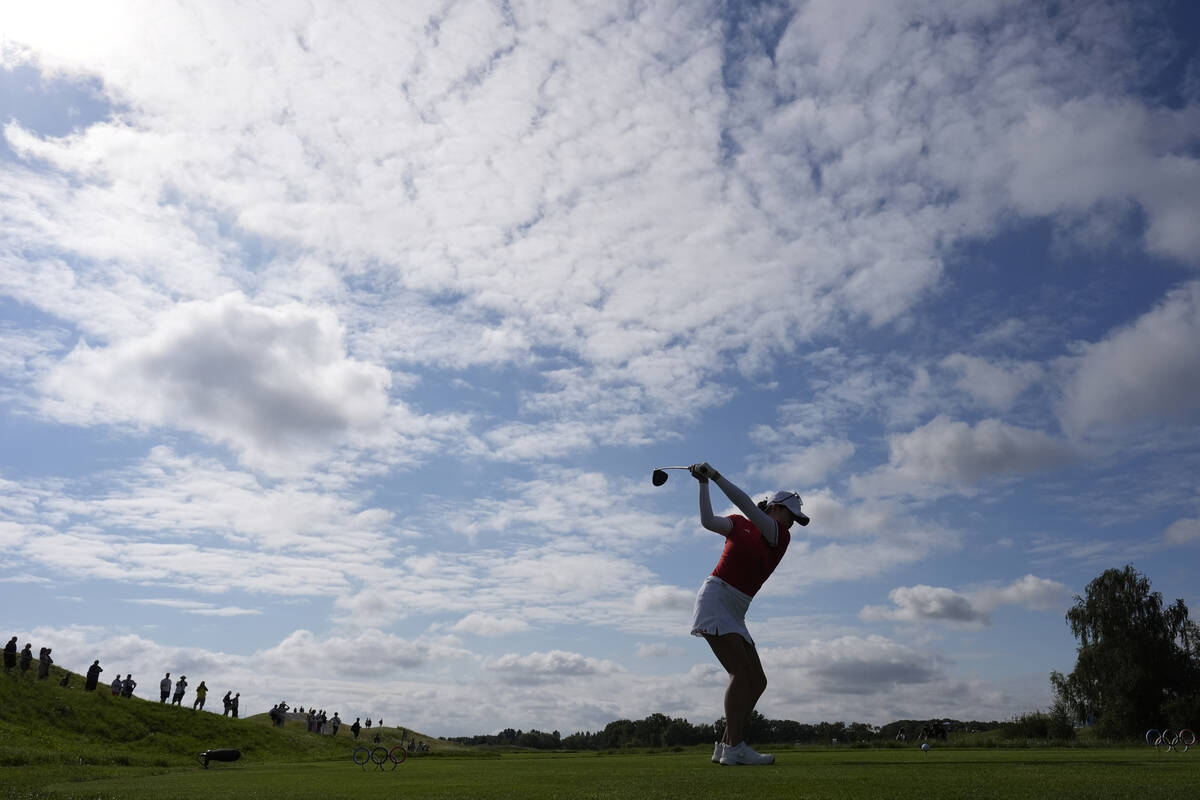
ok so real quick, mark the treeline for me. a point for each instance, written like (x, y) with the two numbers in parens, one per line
(659, 730)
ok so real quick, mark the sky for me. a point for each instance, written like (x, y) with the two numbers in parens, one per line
(338, 342)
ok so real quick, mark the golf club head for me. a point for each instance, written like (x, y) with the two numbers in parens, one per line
(658, 477)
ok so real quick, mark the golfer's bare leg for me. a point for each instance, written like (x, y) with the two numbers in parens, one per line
(746, 682)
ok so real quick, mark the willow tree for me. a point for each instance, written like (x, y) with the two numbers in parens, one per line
(1137, 659)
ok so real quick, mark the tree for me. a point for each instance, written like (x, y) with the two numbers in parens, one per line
(1135, 657)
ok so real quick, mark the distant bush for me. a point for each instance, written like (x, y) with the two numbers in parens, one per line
(1053, 725)
(1183, 712)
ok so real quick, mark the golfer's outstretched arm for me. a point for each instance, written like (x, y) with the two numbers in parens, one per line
(758, 518)
(708, 519)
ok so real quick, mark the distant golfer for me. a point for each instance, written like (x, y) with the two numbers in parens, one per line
(754, 546)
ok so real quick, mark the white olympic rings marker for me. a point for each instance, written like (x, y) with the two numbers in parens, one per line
(379, 756)
(1184, 738)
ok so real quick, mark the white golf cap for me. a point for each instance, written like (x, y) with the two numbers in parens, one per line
(792, 502)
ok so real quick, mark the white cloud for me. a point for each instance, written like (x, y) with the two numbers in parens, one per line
(656, 650)
(855, 665)
(663, 598)
(993, 385)
(946, 452)
(199, 608)
(1183, 531)
(19, 349)
(263, 380)
(25, 578)
(1143, 372)
(972, 609)
(806, 466)
(1030, 592)
(550, 666)
(917, 603)
(191, 523)
(370, 653)
(489, 625)
(1084, 152)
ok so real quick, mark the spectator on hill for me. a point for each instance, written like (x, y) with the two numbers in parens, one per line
(201, 693)
(368, 722)
(116, 685)
(26, 658)
(93, 676)
(164, 688)
(10, 654)
(233, 704)
(44, 662)
(225, 701)
(380, 723)
(180, 688)
(356, 727)
(128, 685)
(335, 723)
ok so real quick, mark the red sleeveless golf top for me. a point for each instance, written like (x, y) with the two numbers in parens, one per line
(747, 560)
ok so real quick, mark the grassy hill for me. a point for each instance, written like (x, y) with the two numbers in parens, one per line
(48, 730)
(44, 723)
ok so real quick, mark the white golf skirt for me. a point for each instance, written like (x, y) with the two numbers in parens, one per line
(720, 609)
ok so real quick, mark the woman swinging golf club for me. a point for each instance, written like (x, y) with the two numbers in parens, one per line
(754, 545)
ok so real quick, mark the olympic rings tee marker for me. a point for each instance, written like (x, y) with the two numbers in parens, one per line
(748, 560)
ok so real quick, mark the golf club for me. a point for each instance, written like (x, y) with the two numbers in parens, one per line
(659, 476)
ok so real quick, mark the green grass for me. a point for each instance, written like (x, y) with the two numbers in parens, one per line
(63, 743)
(815, 773)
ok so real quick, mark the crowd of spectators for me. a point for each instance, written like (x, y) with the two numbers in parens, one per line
(120, 686)
(316, 720)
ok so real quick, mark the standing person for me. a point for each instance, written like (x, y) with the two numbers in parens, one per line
(10, 654)
(44, 662)
(233, 704)
(356, 727)
(754, 545)
(116, 685)
(180, 688)
(128, 685)
(225, 701)
(93, 676)
(164, 688)
(26, 658)
(201, 693)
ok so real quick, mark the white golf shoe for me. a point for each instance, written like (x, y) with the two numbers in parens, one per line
(718, 751)
(742, 755)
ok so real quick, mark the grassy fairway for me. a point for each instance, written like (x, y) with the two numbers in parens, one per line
(63, 743)
(810, 773)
